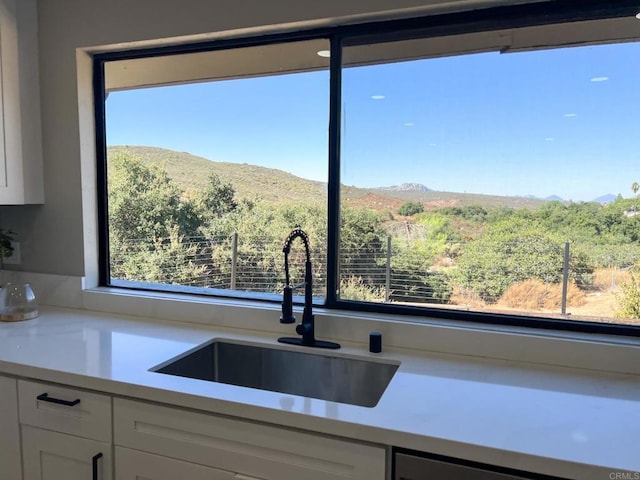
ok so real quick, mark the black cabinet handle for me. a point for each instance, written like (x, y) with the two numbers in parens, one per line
(46, 398)
(94, 465)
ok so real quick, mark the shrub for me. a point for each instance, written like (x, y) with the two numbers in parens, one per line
(410, 208)
(421, 286)
(353, 288)
(509, 254)
(629, 297)
(465, 297)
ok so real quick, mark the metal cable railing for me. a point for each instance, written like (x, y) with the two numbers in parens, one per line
(387, 274)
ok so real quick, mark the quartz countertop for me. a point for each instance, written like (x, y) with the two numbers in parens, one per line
(570, 423)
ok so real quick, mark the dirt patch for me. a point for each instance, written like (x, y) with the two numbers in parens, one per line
(374, 201)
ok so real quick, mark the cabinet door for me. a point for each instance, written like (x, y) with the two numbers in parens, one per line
(134, 465)
(55, 456)
(21, 172)
(9, 431)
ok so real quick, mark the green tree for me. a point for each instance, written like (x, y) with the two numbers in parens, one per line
(362, 245)
(144, 204)
(169, 260)
(261, 230)
(635, 187)
(148, 223)
(409, 209)
(215, 200)
(510, 253)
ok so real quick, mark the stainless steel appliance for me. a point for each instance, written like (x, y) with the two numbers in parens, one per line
(410, 465)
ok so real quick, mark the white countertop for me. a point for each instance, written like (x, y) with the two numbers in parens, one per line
(557, 421)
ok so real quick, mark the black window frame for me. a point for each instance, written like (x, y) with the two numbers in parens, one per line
(483, 20)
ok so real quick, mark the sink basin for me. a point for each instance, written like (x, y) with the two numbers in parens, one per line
(335, 378)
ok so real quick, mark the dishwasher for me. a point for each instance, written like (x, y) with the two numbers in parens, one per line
(412, 465)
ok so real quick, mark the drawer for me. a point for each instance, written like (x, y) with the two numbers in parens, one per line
(135, 465)
(65, 410)
(248, 449)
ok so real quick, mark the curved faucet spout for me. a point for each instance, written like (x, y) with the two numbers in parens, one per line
(297, 233)
(307, 328)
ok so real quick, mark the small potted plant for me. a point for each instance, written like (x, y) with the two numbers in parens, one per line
(6, 249)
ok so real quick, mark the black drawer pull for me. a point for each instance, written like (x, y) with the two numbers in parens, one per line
(46, 398)
(94, 465)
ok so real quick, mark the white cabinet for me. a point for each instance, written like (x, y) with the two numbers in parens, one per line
(65, 410)
(55, 456)
(10, 468)
(70, 434)
(21, 171)
(134, 465)
(240, 449)
(66, 433)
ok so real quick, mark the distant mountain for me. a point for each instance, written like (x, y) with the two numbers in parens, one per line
(550, 198)
(253, 182)
(604, 199)
(406, 187)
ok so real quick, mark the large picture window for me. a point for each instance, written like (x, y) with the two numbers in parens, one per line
(499, 182)
(481, 174)
(212, 158)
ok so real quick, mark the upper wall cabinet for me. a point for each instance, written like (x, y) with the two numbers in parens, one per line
(21, 173)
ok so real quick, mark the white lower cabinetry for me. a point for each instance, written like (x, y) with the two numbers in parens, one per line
(9, 431)
(71, 434)
(55, 456)
(234, 448)
(66, 433)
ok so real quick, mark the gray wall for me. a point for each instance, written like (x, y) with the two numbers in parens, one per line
(51, 235)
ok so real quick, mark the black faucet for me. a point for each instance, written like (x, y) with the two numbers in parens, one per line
(307, 328)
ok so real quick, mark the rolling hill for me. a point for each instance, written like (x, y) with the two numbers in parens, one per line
(253, 182)
(191, 172)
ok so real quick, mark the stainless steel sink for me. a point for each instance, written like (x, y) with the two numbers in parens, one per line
(335, 378)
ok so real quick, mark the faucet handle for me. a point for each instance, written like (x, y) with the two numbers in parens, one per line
(287, 306)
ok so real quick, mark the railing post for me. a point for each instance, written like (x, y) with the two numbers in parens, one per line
(234, 259)
(613, 276)
(387, 290)
(565, 278)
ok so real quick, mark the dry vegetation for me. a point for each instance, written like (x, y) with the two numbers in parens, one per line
(534, 298)
(535, 295)
(609, 279)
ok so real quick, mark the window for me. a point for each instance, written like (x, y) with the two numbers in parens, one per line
(477, 167)
(212, 158)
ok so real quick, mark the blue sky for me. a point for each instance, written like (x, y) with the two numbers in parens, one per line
(561, 122)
